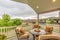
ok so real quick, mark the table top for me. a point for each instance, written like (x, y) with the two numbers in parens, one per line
(37, 33)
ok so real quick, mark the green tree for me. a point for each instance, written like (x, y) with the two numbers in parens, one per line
(10, 23)
(1, 23)
(17, 21)
(5, 19)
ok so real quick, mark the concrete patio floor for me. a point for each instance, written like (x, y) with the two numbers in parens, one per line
(30, 38)
(15, 38)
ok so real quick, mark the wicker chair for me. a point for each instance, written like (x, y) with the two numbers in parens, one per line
(22, 34)
(36, 26)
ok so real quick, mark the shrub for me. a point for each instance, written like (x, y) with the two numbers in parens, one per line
(17, 21)
(10, 23)
(1, 23)
(3, 37)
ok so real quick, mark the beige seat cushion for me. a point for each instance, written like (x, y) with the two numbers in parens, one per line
(49, 37)
(26, 35)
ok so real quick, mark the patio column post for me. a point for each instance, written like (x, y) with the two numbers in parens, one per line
(38, 19)
(59, 21)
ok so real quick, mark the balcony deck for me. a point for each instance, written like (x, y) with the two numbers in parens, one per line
(12, 34)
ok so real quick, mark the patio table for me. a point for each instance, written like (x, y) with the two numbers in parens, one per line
(36, 34)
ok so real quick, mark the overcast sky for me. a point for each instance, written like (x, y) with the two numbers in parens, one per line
(15, 9)
(20, 10)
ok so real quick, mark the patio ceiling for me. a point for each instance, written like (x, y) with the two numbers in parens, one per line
(42, 6)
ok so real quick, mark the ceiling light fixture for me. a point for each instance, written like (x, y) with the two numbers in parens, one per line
(37, 6)
(54, 0)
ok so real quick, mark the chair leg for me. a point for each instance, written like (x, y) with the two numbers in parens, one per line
(33, 37)
(27, 38)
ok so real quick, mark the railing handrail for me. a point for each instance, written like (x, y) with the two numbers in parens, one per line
(8, 27)
(5, 29)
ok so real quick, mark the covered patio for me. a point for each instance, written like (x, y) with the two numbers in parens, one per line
(37, 10)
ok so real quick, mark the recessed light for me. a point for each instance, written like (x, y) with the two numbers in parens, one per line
(54, 0)
(37, 6)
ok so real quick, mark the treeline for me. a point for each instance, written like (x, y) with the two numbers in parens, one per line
(7, 21)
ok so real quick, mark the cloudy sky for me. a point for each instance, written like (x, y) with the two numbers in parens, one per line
(15, 9)
(20, 10)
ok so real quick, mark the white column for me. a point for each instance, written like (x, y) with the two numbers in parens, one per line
(38, 18)
(59, 21)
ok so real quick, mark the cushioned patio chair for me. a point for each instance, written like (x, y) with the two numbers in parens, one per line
(36, 26)
(22, 34)
(49, 37)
